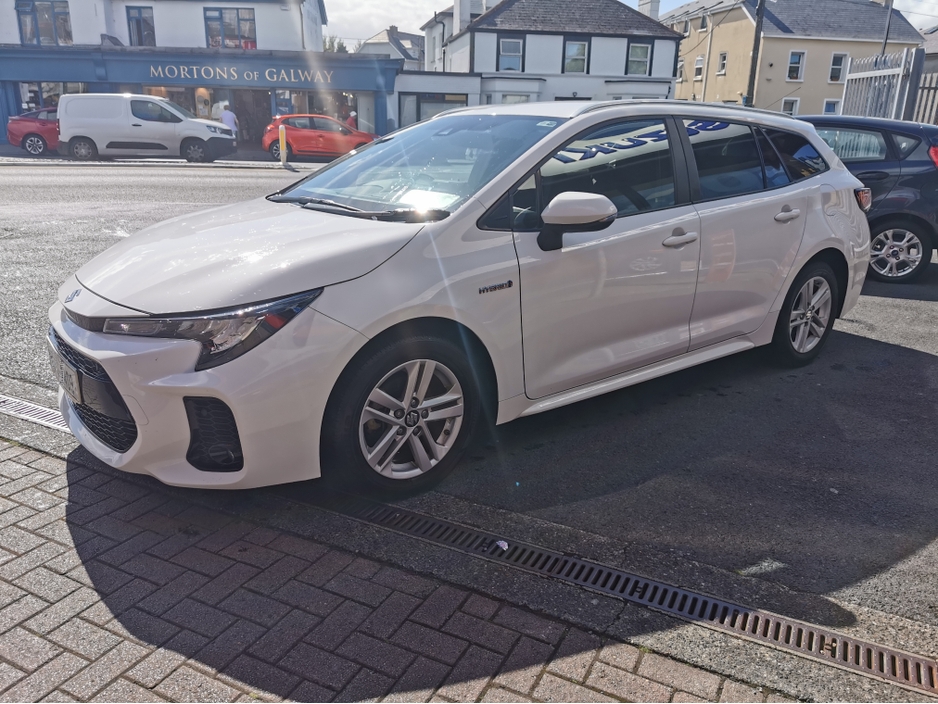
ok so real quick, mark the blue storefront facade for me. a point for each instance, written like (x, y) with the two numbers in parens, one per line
(259, 84)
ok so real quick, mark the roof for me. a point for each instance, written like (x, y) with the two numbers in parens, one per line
(409, 46)
(931, 40)
(476, 8)
(835, 19)
(595, 17)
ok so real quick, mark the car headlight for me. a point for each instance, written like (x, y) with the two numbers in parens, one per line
(216, 130)
(224, 335)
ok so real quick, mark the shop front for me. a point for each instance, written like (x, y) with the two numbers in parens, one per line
(256, 85)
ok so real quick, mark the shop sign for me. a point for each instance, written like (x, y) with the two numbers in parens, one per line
(236, 73)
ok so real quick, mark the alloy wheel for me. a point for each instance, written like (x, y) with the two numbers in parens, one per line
(810, 314)
(895, 253)
(195, 152)
(34, 145)
(411, 419)
(82, 150)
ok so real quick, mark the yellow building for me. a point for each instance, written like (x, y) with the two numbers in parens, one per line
(804, 56)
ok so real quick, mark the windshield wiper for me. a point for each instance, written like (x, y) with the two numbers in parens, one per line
(409, 215)
(310, 200)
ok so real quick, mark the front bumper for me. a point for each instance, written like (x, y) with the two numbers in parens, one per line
(221, 146)
(277, 393)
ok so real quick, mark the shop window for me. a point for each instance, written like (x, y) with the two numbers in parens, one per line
(230, 28)
(46, 23)
(508, 98)
(639, 61)
(575, 54)
(416, 107)
(140, 26)
(510, 53)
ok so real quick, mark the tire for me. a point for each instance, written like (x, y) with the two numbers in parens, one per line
(800, 334)
(83, 149)
(275, 151)
(900, 251)
(35, 145)
(195, 151)
(393, 429)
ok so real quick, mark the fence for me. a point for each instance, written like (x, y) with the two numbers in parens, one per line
(885, 86)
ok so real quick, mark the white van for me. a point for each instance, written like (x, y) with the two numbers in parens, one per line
(122, 124)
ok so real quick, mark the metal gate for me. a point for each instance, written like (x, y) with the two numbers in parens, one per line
(884, 86)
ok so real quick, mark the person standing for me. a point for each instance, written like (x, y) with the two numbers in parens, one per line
(230, 120)
(352, 120)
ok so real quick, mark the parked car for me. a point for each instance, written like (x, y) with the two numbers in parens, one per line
(122, 124)
(37, 132)
(489, 263)
(313, 135)
(898, 162)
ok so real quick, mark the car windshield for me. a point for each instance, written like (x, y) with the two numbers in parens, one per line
(179, 108)
(432, 167)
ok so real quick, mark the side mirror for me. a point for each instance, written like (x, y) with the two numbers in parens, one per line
(574, 211)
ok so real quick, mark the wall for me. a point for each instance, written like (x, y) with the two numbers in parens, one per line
(436, 30)
(457, 54)
(485, 54)
(608, 55)
(732, 32)
(9, 27)
(662, 59)
(543, 53)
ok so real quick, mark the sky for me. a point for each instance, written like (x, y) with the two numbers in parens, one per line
(359, 19)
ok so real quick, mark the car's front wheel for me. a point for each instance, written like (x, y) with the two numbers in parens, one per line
(807, 315)
(899, 252)
(195, 151)
(35, 145)
(400, 420)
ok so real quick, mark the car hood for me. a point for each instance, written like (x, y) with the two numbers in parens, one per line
(239, 254)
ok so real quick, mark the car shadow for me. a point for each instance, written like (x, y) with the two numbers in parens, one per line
(925, 288)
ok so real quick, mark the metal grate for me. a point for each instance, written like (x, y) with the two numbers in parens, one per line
(19, 408)
(116, 433)
(905, 669)
(214, 444)
(85, 365)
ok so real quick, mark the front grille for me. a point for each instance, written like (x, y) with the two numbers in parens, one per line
(84, 364)
(214, 445)
(113, 432)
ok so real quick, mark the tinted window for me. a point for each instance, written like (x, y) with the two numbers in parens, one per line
(774, 171)
(905, 144)
(151, 112)
(854, 145)
(727, 158)
(800, 158)
(628, 162)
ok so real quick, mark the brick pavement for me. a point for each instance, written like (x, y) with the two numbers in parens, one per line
(112, 591)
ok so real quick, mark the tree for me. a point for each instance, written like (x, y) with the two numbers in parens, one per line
(335, 45)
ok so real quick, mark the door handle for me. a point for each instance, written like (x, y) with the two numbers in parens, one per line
(787, 215)
(873, 175)
(680, 238)
(135, 124)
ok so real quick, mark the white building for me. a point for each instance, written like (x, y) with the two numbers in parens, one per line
(395, 44)
(527, 50)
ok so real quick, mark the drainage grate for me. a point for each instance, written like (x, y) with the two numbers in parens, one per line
(30, 411)
(905, 669)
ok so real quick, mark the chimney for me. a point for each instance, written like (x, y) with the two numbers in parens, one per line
(649, 8)
(461, 15)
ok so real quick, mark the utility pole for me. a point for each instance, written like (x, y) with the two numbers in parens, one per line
(886, 33)
(756, 43)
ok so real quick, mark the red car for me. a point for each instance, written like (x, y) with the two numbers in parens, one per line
(313, 135)
(37, 132)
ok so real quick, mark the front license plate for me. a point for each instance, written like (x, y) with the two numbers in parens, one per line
(65, 374)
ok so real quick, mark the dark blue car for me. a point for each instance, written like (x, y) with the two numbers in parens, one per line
(898, 161)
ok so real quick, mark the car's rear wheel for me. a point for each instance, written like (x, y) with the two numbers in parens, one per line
(35, 145)
(400, 420)
(899, 252)
(275, 151)
(807, 315)
(83, 149)
(195, 151)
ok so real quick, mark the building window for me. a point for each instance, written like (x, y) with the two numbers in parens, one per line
(575, 53)
(230, 28)
(721, 64)
(790, 106)
(680, 70)
(838, 64)
(140, 26)
(686, 27)
(508, 98)
(698, 68)
(46, 23)
(639, 61)
(831, 107)
(510, 53)
(796, 66)
(703, 23)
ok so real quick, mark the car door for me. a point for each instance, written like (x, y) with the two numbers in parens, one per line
(332, 136)
(620, 298)
(868, 153)
(300, 135)
(751, 225)
(152, 129)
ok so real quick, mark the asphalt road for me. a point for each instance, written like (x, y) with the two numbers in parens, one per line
(813, 491)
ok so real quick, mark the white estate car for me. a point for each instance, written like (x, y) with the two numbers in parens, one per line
(497, 261)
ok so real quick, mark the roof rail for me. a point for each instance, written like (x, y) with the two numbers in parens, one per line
(593, 107)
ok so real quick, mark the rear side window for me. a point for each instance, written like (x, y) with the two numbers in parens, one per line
(801, 160)
(905, 144)
(775, 175)
(629, 162)
(855, 145)
(727, 158)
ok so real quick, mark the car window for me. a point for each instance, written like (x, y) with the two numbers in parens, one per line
(327, 125)
(727, 158)
(151, 112)
(775, 175)
(42, 115)
(801, 160)
(855, 145)
(629, 162)
(905, 144)
(299, 122)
